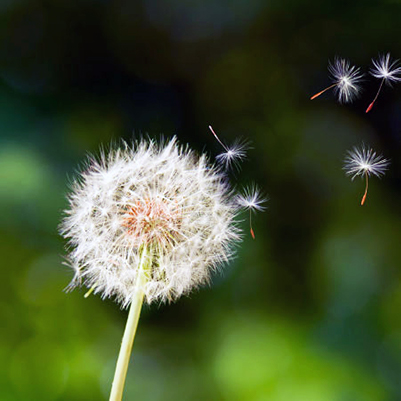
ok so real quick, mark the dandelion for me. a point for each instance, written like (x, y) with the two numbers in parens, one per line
(364, 161)
(251, 199)
(148, 222)
(346, 80)
(233, 155)
(387, 70)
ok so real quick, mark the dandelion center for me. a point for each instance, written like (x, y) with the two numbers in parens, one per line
(153, 221)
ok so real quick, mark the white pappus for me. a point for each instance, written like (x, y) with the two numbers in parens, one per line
(251, 199)
(346, 80)
(364, 161)
(387, 70)
(156, 201)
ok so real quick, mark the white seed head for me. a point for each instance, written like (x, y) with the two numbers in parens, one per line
(252, 199)
(161, 199)
(386, 68)
(364, 160)
(347, 79)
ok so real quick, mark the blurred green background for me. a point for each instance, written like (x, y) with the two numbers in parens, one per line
(311, 309)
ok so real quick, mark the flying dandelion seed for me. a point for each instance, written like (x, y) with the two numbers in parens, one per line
(363, 162)
(251, 199)
(233, 155)
(387, 70)
(346, 80)
(148, 222)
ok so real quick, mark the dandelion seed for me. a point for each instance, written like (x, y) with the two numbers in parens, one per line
(346, 80)
(233, 155)
(148, 222)
(387, 70)
(251, 199)
(363, 162)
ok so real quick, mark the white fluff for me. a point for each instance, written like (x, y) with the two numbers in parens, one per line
(346, 78)
(162, 197)
(386, 68)
(364, 160)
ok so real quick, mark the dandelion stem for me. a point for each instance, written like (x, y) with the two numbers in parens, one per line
(129, 333)
(366, 189)
(377, 94)
(321, 92)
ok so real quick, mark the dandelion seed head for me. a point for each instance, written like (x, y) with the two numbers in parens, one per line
(386, 68)
(364, 160)
(347, 79)
(158, 197)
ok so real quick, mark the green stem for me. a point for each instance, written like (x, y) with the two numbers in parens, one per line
(120, 374)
